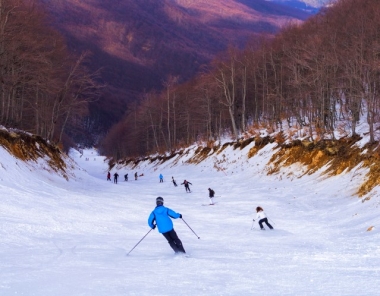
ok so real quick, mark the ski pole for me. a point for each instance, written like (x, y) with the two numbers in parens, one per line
(272, 221)
(190, 228)
(253, 222)
(140, 241)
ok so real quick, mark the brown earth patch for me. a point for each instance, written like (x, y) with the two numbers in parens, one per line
(27, 147)
(370, 228)
(337, 156)
(259, 144)
(225, 145)
(199, 155)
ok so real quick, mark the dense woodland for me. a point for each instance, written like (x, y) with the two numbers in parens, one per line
(318, 77)
(44, 89)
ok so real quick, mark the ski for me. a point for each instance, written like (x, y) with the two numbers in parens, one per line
(177, 257)
(182, 256)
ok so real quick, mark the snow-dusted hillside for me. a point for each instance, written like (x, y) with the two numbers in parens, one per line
(71, 237)
(309, 5)
(317, 3)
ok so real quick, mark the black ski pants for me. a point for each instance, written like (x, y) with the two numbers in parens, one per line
(265, 220)
(187, 188)
(174, 241)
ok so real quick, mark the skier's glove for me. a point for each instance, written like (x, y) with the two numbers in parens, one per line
(154, 226)
(180, 216)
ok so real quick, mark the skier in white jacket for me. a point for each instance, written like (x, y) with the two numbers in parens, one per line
(262, 218)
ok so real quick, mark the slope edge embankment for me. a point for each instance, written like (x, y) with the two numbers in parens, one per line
(326, 158)
(31, 148)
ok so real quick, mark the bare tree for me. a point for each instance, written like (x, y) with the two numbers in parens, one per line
(225, 76)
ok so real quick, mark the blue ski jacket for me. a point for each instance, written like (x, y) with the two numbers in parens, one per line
(162, 217)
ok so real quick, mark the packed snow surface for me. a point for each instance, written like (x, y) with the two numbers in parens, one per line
(72, 237)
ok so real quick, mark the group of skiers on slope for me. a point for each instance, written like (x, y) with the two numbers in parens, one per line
(187, 187)
(161, 177)
(185, 182)
(161, 217)
(116, 175)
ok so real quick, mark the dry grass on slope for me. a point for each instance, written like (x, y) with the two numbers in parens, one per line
(335, 156)
(28, 147)
(331, 157)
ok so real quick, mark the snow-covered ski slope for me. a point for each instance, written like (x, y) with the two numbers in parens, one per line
(63, 237)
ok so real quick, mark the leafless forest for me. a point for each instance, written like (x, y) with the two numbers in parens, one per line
(43, 88)
(319, 76)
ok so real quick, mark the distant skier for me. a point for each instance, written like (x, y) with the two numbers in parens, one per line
(136, 176)
(126, 177)
(115, 176)
(161, 178)
(174, 182)
(160, 216)
(262, 218)
(211, 194)
(109, 176)
(186, 183)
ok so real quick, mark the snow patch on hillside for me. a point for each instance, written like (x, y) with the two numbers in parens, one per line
(312, 3)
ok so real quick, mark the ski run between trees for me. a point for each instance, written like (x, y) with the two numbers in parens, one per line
(70, 237)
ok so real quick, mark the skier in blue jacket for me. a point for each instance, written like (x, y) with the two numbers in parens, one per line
(162, 216)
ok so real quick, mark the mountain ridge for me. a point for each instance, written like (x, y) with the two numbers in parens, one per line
(139, 44)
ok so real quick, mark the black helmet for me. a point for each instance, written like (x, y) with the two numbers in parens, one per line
(159, 201)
